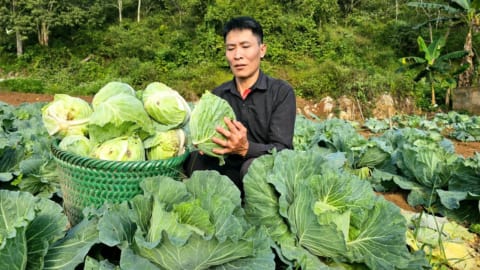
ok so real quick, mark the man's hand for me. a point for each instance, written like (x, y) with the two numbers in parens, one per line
(235, 141)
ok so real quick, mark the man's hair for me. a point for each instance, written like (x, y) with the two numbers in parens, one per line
(243, 23)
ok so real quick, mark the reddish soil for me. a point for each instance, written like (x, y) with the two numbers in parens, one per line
(18, 98)
(462, 148)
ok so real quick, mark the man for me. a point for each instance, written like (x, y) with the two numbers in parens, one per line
(264, 107)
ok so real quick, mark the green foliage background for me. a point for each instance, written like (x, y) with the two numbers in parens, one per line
(321, 47)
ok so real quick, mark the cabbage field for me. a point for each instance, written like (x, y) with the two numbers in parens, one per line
(316, 207)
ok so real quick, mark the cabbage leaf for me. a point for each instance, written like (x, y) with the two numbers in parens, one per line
(119, 115)
(29, 227)
(111, 89)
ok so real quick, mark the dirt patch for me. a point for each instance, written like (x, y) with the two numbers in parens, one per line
(400, 199)
(16, 98)
(466, 149)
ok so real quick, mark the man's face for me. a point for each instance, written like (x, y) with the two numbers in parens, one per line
(243, 52)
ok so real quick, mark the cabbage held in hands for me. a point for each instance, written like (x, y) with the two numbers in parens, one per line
(125, 148)
(66, 115)
(206, 116)
(165, 105)
(165, 144)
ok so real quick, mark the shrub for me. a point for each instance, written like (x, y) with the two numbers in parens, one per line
(27, 85)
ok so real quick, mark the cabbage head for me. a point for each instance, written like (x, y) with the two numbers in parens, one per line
(165, 105)
(165, 144)
(76, 144)
(111, 89)
(66, 115)
(206, 116)
(120, 115)
(317, 213)
(125, 148)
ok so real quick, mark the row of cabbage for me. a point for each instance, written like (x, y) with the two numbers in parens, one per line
(420, 162)
(455, 125)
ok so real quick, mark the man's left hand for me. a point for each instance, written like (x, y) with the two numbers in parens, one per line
(235, 141)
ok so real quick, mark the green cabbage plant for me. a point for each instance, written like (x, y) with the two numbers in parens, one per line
(165, 144)
(66, 115)
(125, 148)
(208, 114)
(165, 105)
(320, 216)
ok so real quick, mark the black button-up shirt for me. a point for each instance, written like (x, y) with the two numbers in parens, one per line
(268, 112)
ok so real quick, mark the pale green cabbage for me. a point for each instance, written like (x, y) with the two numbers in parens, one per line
(66, 115)
(120, 115)
(125, 148)
(165, 144)
(111, 89)
(208, 114)
(165, 105)
(77, 144)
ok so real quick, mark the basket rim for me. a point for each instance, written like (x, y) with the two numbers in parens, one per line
(95, 163)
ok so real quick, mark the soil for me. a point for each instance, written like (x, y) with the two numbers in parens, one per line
(17, 98)
(466, 149)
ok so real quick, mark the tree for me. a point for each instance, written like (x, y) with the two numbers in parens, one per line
(348, 5)
(471, 17)
(45, 15)
(40, 17)
(459, 11)
(433, 65)
(321, 12)
(15, 17)
(145, 7)
(120, 10)
(139, 8)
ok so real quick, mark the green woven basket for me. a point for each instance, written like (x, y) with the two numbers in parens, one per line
(92, 182)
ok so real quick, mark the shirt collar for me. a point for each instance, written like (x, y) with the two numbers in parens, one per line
(259, 85)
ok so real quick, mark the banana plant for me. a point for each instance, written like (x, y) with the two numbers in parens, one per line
(466, 12)
(433, 66)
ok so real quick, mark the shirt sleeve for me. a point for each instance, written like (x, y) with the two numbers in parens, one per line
(282, 124)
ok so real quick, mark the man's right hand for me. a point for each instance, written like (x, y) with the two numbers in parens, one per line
(235, 141)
